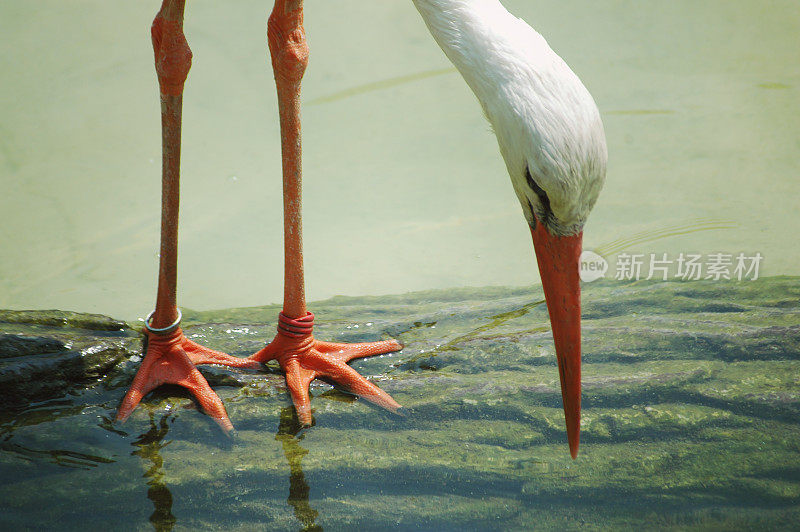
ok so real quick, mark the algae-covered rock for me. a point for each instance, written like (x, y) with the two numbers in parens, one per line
(61, 319)
(45, 354)
(691, 402)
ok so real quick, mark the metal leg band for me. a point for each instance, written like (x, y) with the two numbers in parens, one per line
(166, 330)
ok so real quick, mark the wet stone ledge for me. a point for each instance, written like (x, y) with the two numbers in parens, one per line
(49, 353)
(691, 409)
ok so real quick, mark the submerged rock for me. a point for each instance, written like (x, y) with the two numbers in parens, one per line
(691, 404)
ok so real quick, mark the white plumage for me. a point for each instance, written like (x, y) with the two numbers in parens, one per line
(545, 120)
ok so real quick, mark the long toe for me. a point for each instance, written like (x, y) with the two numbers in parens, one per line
(145, 381)
(297, 380)
(208, 399)
(132, 400)
(355, 383)
(348, 352)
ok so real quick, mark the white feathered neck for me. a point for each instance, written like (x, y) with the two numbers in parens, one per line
(545, 120)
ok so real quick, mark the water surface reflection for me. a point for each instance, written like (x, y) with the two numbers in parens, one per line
(290, 435)
(149, 449)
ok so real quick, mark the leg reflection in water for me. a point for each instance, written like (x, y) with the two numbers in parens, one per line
(288, 431)
(149, 448)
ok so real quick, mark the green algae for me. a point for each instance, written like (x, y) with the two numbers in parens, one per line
(690, 418)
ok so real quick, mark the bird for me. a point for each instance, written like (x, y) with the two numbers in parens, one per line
(551, 137)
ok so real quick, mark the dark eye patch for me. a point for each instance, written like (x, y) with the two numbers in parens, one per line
(542, 195)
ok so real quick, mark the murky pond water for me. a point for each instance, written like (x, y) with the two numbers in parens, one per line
(691, 401)
(404, 186)
(691, 394)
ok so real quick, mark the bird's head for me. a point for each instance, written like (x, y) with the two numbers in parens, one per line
(556, 210)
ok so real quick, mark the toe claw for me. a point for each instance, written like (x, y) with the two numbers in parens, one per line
(226, 425)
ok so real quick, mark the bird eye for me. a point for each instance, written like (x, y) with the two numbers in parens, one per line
(541, 194)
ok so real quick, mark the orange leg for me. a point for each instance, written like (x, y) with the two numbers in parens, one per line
(170, 356)
(302, 357)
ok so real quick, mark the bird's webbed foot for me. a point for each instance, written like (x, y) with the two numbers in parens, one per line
(171, 359)
(304, 358)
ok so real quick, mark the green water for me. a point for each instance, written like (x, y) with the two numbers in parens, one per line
(691, 390)
(404, 186)
(690, 419)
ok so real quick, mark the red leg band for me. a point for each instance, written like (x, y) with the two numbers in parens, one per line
(295, 328)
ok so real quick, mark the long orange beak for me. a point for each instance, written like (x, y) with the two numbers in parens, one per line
(559, 263)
